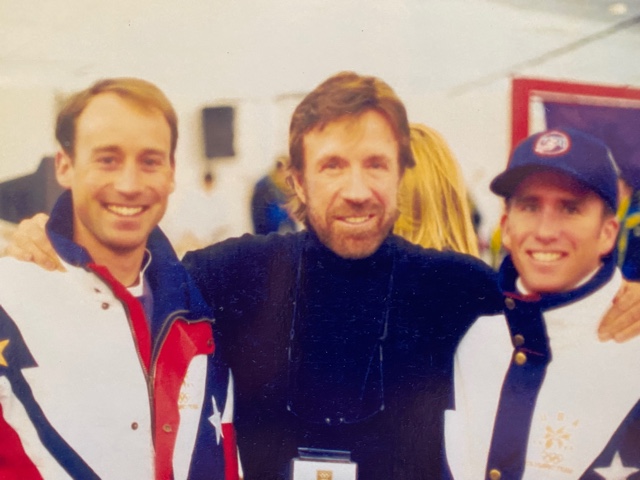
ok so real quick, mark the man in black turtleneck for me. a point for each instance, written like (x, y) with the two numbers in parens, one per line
(537, 394)
(341, 337)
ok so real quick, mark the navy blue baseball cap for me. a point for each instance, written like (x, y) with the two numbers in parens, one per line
(572, 152)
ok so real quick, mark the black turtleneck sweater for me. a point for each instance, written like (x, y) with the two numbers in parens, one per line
(341, 354)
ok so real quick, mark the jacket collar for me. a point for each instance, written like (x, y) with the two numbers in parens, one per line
(165, 273)
(508, 275)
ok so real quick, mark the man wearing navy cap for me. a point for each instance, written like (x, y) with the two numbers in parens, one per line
(539, 395)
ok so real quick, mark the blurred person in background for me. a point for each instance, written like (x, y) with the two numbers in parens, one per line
(433, 201)
(629, 217)
(268, 209)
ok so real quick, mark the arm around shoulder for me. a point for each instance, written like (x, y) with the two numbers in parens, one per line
(30, 243)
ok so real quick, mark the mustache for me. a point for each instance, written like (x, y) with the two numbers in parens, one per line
(357, 210)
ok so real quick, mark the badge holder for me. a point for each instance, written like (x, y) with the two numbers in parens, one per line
(320, 464)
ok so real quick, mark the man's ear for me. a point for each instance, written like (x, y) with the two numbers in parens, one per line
(296, 179)
(172, 185)
(505, 231)
(608, 234)
(64, 169)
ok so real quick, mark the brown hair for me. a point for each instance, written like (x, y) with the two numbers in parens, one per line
(347, 94)
(142, 93)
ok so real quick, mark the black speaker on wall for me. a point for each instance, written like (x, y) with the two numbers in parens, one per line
(217, 123)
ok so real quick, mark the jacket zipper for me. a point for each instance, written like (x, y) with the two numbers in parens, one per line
(156, 347)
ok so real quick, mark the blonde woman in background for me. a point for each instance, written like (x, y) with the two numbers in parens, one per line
(433, 200)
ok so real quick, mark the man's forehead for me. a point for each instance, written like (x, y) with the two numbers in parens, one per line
(111, 115)
(111, 101)
(352, 131)
(353, 120)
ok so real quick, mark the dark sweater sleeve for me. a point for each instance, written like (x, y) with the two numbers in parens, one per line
(454, 289)
(479, 284)
(468, 282)
(221, 270)
(472, 289)
(203, 266)
(236, 272)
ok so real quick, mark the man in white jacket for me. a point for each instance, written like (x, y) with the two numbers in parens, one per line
(537, 394)
(107, 369)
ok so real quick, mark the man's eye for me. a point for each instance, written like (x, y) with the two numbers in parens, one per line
(331, 165)
(107, 160)
(151, 161)
(571, 209)
(528, 207)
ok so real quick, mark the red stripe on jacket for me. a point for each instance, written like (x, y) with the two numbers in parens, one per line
(183, 342)
(14, 461)
(230, 449)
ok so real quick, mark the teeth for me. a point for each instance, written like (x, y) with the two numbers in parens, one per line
(546, 256)
(124, 211)
(356, 220)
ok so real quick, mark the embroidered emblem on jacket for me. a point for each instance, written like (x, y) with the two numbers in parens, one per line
(555, 442)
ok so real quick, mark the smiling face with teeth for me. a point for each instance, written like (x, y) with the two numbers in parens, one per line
(556, 231)
(120, 176)
(349, 183)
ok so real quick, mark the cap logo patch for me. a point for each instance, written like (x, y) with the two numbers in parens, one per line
(552, 143)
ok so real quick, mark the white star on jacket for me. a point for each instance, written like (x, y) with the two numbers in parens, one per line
(216, 420)
(617, 470)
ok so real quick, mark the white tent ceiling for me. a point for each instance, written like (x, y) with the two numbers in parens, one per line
(235, 47)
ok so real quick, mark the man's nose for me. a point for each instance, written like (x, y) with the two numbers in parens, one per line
(356, 188)
(128, 179)
(548, 225)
